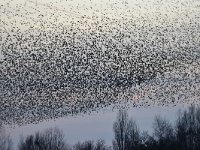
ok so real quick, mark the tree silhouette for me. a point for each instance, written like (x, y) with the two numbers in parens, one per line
(163, 133)
(50, 139)
(184, 135)
(87, 145)
(133, 139)
(90, 145)
(120, 130)
(127, 135)
(188, 129)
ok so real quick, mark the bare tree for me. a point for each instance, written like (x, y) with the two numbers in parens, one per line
(100, 145)
(147, 141)
(90, 145)
(50, 139)
(120, 130)
(188, 129)
(87, 145)
(127, 135)
(163, 132)
(133, 139)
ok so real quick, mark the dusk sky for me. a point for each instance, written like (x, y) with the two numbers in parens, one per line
(72, 64)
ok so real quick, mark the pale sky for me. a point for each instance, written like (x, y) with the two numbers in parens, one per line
(98, 124)
(43, 14)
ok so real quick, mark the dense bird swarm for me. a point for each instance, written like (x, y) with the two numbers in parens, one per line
(66, 57)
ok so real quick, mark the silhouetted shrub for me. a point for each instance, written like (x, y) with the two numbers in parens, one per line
(87, 145)
(90, 145)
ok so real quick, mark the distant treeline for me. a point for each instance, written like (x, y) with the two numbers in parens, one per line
(184, 134)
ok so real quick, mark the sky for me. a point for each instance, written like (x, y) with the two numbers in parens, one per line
(97, 125)
(54, 15)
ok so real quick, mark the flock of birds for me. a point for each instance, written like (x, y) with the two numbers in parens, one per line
(55, 66)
